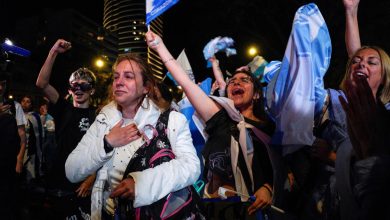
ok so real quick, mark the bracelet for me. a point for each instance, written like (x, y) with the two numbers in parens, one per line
(166, 61)
(268, 189)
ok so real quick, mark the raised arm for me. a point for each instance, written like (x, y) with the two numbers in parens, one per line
(43, 79)
(218, 76)
(203, 104)
(352, 37)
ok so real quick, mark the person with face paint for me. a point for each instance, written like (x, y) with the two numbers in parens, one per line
(72, 121)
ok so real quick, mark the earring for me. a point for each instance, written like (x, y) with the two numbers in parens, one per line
(147, 102)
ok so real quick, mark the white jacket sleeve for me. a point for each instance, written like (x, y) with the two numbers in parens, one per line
(154, 183)
(89, 155)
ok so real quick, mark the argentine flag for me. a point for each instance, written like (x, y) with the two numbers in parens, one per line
(296, 92)
(154, 8)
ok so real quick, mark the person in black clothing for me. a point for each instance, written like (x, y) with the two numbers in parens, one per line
(8, 105)
(10, 144)
(236, 152)
(72, 122)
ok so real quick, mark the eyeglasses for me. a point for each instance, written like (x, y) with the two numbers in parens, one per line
(245, 80)
(80, 86)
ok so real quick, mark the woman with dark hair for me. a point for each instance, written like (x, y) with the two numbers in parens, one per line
(120, 143)
(236, 153)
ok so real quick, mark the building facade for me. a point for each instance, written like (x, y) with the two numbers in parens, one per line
(126, 19)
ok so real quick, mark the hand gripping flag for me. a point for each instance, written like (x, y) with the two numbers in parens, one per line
(154, 8)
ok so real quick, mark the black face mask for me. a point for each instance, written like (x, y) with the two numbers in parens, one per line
(80, 86)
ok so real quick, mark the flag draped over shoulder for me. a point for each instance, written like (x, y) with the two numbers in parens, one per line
(296, 92)
(154, 8)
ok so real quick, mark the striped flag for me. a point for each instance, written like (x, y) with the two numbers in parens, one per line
(154, 8)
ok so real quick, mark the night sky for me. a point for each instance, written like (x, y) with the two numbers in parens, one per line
(190, 24)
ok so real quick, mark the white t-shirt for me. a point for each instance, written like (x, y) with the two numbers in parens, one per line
(19, 115)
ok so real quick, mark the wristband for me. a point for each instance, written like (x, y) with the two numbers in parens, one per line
(268, 189)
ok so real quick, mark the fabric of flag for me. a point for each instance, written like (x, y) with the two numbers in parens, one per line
(185, 64)
(188, 110)
(154, 8)
(185, 106)
(216, 45)
(296, 92)
(182, 59)
(257, 66)
(269, 70)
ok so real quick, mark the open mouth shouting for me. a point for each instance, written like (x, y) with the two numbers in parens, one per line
(79, 94)
(237, 91)
(361, 74)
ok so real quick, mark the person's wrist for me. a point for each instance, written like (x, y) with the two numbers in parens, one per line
(351, 12)
(168, 60)
(268, 188)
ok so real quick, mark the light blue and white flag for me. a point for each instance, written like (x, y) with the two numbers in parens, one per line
(296, 92)
(183, 61)
(154, 8)
(186, 108)
(219, 44)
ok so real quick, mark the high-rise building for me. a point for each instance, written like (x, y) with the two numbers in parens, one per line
(126, 19)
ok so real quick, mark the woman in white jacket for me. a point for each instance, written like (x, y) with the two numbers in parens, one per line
(118, 131)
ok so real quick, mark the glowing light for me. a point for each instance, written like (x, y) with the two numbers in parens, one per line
(8, 42)
(252, 51)
(99, 63)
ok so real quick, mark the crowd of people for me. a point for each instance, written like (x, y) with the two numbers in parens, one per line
(280, 148)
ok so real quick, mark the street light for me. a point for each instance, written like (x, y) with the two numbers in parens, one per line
(252, 51)
(99, 63)
(9, 47)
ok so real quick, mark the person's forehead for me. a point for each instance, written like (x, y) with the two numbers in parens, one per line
(79, 81)
(130, 65)
(368, 52)
(240, 75)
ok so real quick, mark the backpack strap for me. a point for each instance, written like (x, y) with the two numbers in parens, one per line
(153, 155)
(150, 151)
